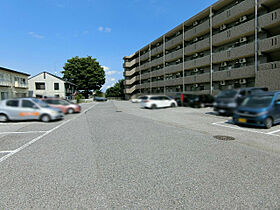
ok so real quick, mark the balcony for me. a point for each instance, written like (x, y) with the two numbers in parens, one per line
(239, 31)
(145, 85)
(238, 73)
(130, 90)
(130, 73)
(234, 13)
(174, 68)
(235, 53)
(269, 66)
(270, 44)
(173, 42)
(198, 30)
(157, 73)
(144, 56)
(145, 76)
(160, 83)
(201, 78)
(157, 50)
(5, 83)
(199, 62)
(270, 20)
(174, 55)
(130, 64)
(144, 66)
(157, 61)
(20, 85)
(198, 46)
(173, 82)
(130, 81)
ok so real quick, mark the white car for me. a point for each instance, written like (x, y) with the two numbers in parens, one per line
(139, 99)
(158, 101)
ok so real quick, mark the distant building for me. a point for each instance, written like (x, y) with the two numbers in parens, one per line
(13, 83)
(227, 45)
(46, 84)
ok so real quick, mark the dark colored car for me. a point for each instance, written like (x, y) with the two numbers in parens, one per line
(200, 101)
(227, 101)
(99, 98)
(261, 109)
(182, 99)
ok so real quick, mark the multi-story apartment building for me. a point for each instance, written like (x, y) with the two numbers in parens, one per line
(231, 44)
(13, 83)
(46, 84)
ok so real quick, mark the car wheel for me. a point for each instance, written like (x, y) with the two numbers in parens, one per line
(153, 106)
(70, 111)
(45, 118)
(173, 105)
(3, 118)
(268, 122)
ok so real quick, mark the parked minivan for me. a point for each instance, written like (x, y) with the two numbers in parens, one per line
(158, 101)
(261, 109)
(28, 109)
(228, 100)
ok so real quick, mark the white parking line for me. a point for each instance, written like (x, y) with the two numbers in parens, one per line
(1, 152)
(22, 132)
(39, 137)
(244, 129)
(272, 132)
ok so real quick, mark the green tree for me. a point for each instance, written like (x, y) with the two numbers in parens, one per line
(117, 90)
(84, 72)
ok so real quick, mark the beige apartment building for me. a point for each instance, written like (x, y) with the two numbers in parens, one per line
(231, 44)
(46, 84)
(13, 83)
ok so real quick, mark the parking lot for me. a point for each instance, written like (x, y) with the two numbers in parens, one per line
(15, 136)
(205, 120)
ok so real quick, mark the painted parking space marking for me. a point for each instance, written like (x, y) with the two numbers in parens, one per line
(22, 132)
(272, 132)
(222, 124)
(4, 152)
(11, 153)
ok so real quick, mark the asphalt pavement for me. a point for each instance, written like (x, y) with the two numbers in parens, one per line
(116, 155)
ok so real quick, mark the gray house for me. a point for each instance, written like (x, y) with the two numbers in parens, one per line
(46, 84)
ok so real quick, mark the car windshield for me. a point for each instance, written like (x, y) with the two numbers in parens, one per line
(257, 101)
(227, 94)
(41, 103)
(64, 102)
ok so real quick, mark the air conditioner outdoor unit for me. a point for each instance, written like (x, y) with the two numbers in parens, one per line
(158, 56)
(178, 61)
(222, 27)
(222, 82)
(178, 33)
(195, 55)
(178, 47)
(196, 39)
(166, 64)
(243, 39)
(195, 70)
(243, 18)
(196, 85)
(158, 67)
(158, 44)
(166, 51)
(242, 81)
(195, 23)
(224, 64)
(242, 60)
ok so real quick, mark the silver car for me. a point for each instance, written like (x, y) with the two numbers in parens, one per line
(28, 109)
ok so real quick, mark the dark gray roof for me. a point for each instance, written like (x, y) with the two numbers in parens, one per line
(10, 70)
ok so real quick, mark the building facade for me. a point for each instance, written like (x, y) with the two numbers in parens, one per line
(13, 83)
(231, 44)
(48, 85)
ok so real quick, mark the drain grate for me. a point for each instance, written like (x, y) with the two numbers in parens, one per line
(224, 138)
(118, 111)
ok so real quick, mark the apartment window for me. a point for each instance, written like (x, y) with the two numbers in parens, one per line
(40, 86)
(56, 86)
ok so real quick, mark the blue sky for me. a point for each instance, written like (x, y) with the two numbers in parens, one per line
(40, 35)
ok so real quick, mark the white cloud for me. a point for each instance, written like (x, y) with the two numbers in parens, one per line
(104, 29)
(106, 68)
(111, 72)
(35, 35)
(113, 79)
